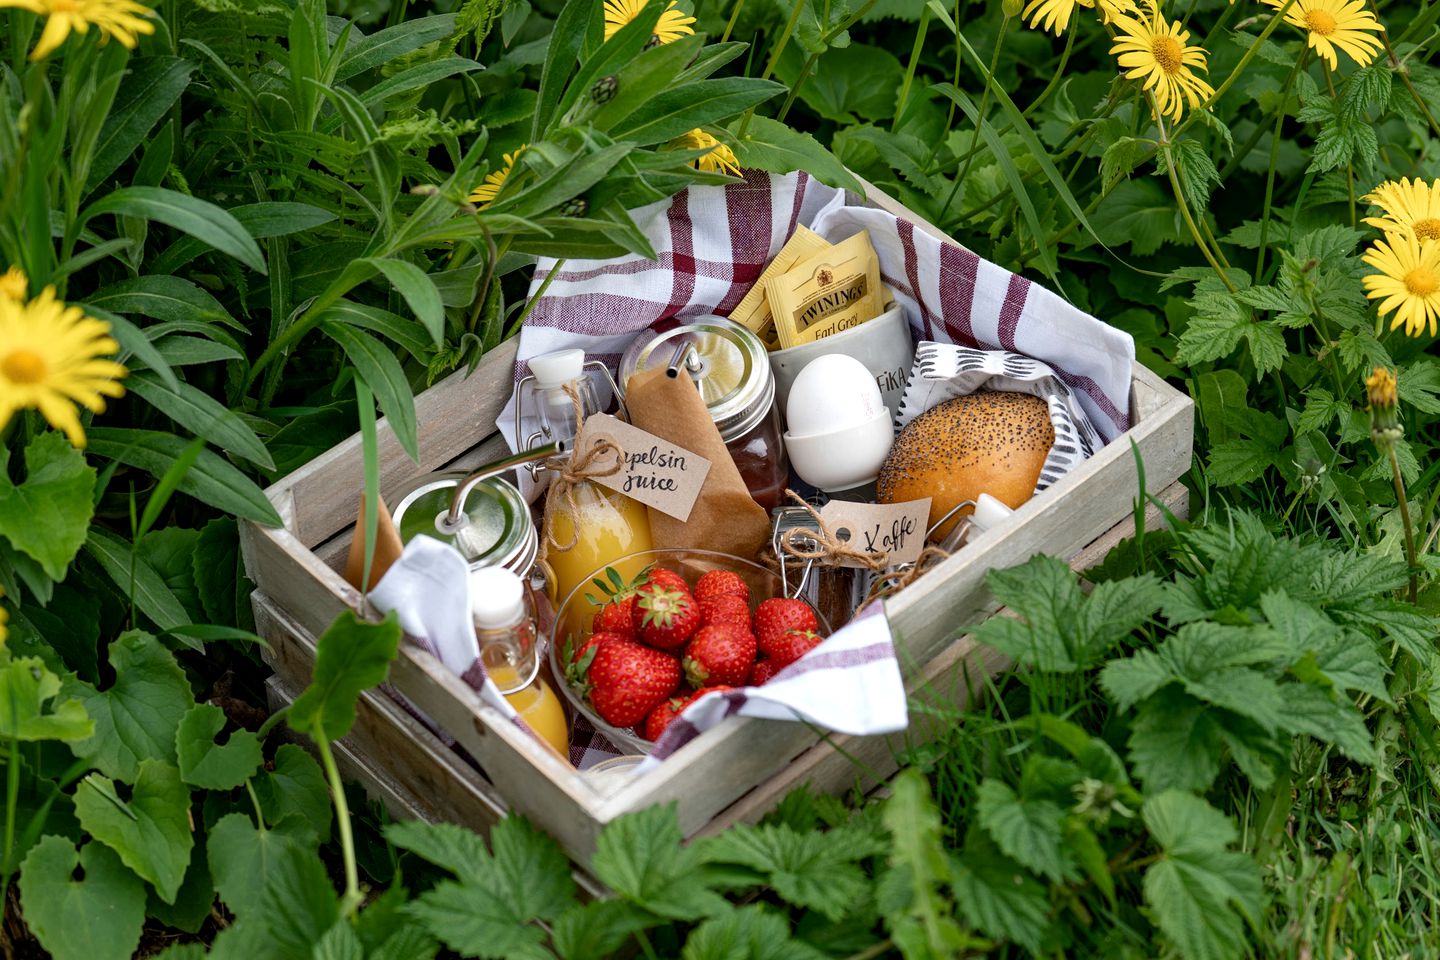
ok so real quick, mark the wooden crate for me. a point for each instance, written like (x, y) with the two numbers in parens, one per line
(300, 592)
(405, 766)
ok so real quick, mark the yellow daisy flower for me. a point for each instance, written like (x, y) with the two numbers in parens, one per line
(1410, 207)
(52, 358)
(1336, 23)
(1409, 281)
(673, 23)
(486, 193)
(13, 285)
(4, 619)
(125, 20)
(1380, 388)
(1054, 15)
(1154, 48)
(720, 159)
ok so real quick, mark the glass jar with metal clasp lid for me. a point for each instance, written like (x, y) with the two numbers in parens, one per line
(480, 514)
(731, 369)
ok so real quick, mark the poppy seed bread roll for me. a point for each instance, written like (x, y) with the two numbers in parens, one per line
(990, 442)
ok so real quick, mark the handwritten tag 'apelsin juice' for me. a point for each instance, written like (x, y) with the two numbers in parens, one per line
(657, 473)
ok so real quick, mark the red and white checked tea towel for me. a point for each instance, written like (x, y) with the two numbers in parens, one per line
(712, 244)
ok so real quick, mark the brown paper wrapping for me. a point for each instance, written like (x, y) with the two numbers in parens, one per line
(724, 517)
(387, 548)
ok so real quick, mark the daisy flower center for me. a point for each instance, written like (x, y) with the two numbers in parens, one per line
(1421, 282)
(1320, 21)
(1428, 229)
(1167, 53)
(23, 366)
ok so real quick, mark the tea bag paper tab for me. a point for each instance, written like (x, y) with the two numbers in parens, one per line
(658, 473)
(894, 529)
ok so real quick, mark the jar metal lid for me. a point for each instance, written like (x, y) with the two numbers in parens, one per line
(729, 365)
(498, 531)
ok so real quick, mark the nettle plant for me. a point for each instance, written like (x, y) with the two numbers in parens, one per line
(228, 230)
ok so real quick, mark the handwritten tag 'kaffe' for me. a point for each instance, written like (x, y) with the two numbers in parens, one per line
(657, 472)
(895, 529)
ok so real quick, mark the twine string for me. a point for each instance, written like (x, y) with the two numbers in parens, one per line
(823, 544)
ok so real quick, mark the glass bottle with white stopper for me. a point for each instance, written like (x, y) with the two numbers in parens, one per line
(506, 637)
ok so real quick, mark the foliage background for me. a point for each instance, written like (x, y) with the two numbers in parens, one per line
(1227, 747)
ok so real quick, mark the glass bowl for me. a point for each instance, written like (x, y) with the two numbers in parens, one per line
(572, 624)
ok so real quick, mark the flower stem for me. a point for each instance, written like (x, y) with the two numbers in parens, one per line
(1405, 516)
(1244, 62)
(351, 901)
(979, 114)
(1180, 200)
(1274, 161)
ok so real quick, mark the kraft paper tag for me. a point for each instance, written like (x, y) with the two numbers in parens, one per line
(657, 473)
(895, 529)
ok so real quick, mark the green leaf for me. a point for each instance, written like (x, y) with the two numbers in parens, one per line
(419, 292)
(853, 84)
(1139, 213)
(1175, 741)
(340, 942)
(919, 865)
(381, 47)
(98, 917)
(352, 656)
(47, 516)
(153, 86)
(1200, 892)
(463, 852)
(133, 341)
(295, 789)
(1196, 172)
(202, 415)
(211, 480)
(773, 146)
(383, 374)
(137, 579)
(747, 933)
(1000, 899)
(150, 831)
(298, 903)
(270, 218)
(417, 77)
(596, 930)
(245, 861)
(640, 857)
(203, 762)
(1329, 717)
(812, 869)
(1064, 630)
(1240, 461)
(201, 220)
(137, 717)
(26, 685)
(405, 332)
(195, 899)
(1029, 831)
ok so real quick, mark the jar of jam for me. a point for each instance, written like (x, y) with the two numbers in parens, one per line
(732, 372)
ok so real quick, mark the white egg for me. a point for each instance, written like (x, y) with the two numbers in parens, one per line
(833, 392)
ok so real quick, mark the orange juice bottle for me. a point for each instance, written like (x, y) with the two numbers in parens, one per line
(606, 527)
(510, 654)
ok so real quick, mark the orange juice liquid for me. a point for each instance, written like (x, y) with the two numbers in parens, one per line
(611, 526)
(538, 705)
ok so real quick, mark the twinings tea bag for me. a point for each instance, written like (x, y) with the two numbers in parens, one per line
(754, 310)
(387, 548)
(827, 292)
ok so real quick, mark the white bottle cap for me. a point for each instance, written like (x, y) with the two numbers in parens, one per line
(554, 370)
(497, 598)
(988, 512)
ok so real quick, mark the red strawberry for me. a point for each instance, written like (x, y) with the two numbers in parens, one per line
(668, 710)
(617, 616)
(720, 653)
(665, 617)
(764, 670)
(627, 681)
(577, 668)
(726, 608)
(668, 578)
(792, 645)
(773, 617)
(722, 583)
